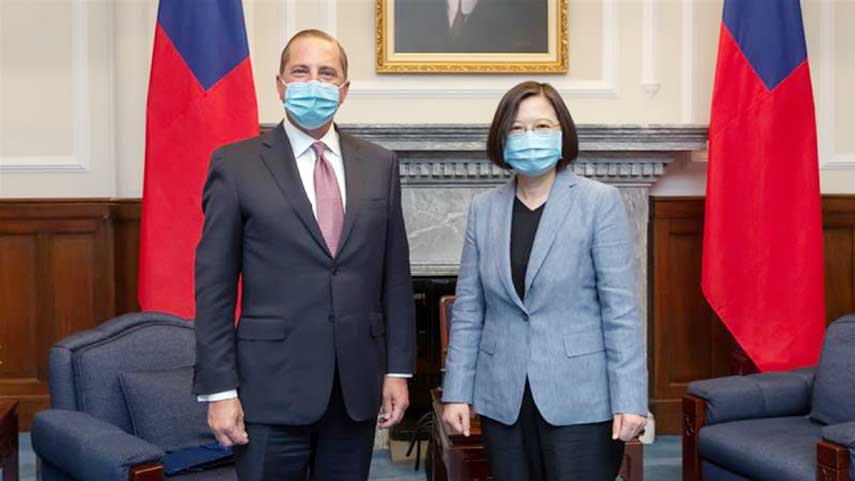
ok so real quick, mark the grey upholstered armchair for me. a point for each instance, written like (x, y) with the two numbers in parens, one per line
(120, 399)
(779, 426)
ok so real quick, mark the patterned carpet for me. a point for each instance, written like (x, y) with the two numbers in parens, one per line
(661, 463)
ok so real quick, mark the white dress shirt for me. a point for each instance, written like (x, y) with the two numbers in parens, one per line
(304, 154)
(466, 7)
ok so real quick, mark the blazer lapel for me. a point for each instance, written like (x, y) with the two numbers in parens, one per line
(558, 205)
(355, 179)
(505, 208)
(279, 159)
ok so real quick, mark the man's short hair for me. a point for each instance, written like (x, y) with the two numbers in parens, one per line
(286, 53)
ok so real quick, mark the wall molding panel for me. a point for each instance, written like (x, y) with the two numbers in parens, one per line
(649, 82)
(829, 158)
(687, 82)
(78, 161)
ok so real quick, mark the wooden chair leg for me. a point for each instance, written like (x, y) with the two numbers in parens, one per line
(9, 441)
(694, 417)
(632, 468)
(832, 462)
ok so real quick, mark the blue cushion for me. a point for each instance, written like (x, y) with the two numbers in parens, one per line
(131, 342)
(780, 449)
(772, 394)
(834, 388)
(49, 472)
(163, 409)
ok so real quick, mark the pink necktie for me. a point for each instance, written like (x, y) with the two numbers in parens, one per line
(328, 195)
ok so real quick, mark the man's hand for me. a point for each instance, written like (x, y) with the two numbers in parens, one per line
(627, 426)
(456, 417)
(396, 398)
(225, 418)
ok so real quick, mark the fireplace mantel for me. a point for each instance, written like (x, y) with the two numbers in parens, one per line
(448, 155)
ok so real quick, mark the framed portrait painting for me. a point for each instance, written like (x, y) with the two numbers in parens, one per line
(471, 36)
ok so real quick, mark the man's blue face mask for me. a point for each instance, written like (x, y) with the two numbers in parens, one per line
(533, 153)
(311, 104)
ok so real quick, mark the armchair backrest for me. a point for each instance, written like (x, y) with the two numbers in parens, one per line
(834, 385)
(84, 368)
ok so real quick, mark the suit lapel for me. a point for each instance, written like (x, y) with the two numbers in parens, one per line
(279, 159)
(355, 179)
(558, 205)
(505, 210)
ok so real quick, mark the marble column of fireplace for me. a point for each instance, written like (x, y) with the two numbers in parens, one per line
(444, 166)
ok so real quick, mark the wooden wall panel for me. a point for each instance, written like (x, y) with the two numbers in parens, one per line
(56, 278)
(127, 232)
(839, 230)
(687, 340)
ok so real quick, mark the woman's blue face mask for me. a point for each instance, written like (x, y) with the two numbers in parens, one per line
(533, 153)
(311, 104)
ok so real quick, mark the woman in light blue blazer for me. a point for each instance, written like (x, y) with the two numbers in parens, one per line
(546, 342)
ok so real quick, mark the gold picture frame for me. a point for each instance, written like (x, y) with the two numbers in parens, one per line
(448, 57)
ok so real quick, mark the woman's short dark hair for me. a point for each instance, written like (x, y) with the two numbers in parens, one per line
(506, 113)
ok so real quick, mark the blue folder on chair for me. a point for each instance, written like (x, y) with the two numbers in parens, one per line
(197, 458)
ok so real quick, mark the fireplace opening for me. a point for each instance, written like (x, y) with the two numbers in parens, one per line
(427, 291)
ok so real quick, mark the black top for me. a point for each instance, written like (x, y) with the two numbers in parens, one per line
(523, 229)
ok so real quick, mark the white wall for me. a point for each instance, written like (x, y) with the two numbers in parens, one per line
(74, 74)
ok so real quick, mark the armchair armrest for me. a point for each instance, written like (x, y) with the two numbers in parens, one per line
(90, 449)
(755, 396)
(832, 452)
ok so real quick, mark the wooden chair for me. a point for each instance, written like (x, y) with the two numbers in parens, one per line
(458, 458)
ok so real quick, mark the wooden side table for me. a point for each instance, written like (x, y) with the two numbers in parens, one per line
(9, 439)
(456, 457)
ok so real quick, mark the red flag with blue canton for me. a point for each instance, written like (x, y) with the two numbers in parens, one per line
(201, 96)
(762, 256)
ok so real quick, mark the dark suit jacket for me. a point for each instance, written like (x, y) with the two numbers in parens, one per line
(301, 309)
(494, 26)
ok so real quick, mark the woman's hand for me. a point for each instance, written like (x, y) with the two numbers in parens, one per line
(627, 426)
(456, 417)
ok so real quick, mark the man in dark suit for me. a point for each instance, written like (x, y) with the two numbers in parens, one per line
(310, 219)
(473, 26)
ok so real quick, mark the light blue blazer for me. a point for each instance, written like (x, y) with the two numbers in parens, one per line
(578, 335)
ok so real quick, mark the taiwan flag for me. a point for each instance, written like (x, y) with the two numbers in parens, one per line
(200, 96)
(762, 254)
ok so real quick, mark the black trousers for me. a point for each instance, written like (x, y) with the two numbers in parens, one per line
(336, 448)
(534, 450)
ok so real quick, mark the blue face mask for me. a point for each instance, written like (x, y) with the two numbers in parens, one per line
(311, 104)
(533, 153)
